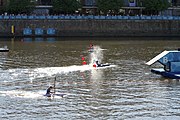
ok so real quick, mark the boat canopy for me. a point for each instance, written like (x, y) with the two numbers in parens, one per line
(171, 62)
(155, 59)
(165, 57)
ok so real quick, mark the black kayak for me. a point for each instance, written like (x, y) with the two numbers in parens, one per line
(58, 94)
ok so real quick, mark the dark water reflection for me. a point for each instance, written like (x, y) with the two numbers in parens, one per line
(127, 91)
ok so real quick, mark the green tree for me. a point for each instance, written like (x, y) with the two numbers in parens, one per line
(19, 6)
(109, 6)
(155, 6)
(65, 6)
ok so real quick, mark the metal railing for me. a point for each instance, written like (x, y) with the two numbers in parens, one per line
(74, 17)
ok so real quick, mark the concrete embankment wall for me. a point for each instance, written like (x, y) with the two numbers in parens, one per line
(93, 27)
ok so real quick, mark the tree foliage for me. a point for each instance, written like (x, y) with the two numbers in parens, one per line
(19, 6)
(109, 6)
(154, 6)
(66, 6)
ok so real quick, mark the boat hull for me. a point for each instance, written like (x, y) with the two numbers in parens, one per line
(166, 74)
(58, 94)
(4, 50)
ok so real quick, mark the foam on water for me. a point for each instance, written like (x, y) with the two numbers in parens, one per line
(28, 94)
(22, 94)
(62, 70)
(42, 72)
(50, 71)
(13, 75)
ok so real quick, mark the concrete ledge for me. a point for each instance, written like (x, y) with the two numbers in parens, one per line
(94, 28)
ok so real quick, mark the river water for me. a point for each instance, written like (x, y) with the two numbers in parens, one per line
(127, 90)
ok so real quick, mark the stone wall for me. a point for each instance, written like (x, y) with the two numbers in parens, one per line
(91, 27)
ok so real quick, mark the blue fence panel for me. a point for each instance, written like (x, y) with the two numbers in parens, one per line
(55, 17)
(175, 18)
(159, 17)
(49, 17)
(90, 17)
(154, 17)
(96, 17)
(67, 17)
(18, 17)
(51, 31)
(31, 17)
(27, 31)
(42, 17)
(79, 17)
(136, 17)
(62, 17)
(73, 17)
(36, 17)
(114, 17)
(126, 17)
(131, 17)
(12, 17)
(102, 17)
(170, 17)
(24, 17)
(6, 17)
(108, 17)
(119, 17)
(84, 17)
(148, 17)
(39, 31)
(164, 18)
(142, 18)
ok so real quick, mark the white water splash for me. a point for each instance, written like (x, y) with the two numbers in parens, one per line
(96, 55)
(29, 94)
(22, 94)
(50, 71)
(31, 74)
(12, 75)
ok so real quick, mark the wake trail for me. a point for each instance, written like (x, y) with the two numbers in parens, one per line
(50, 71)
